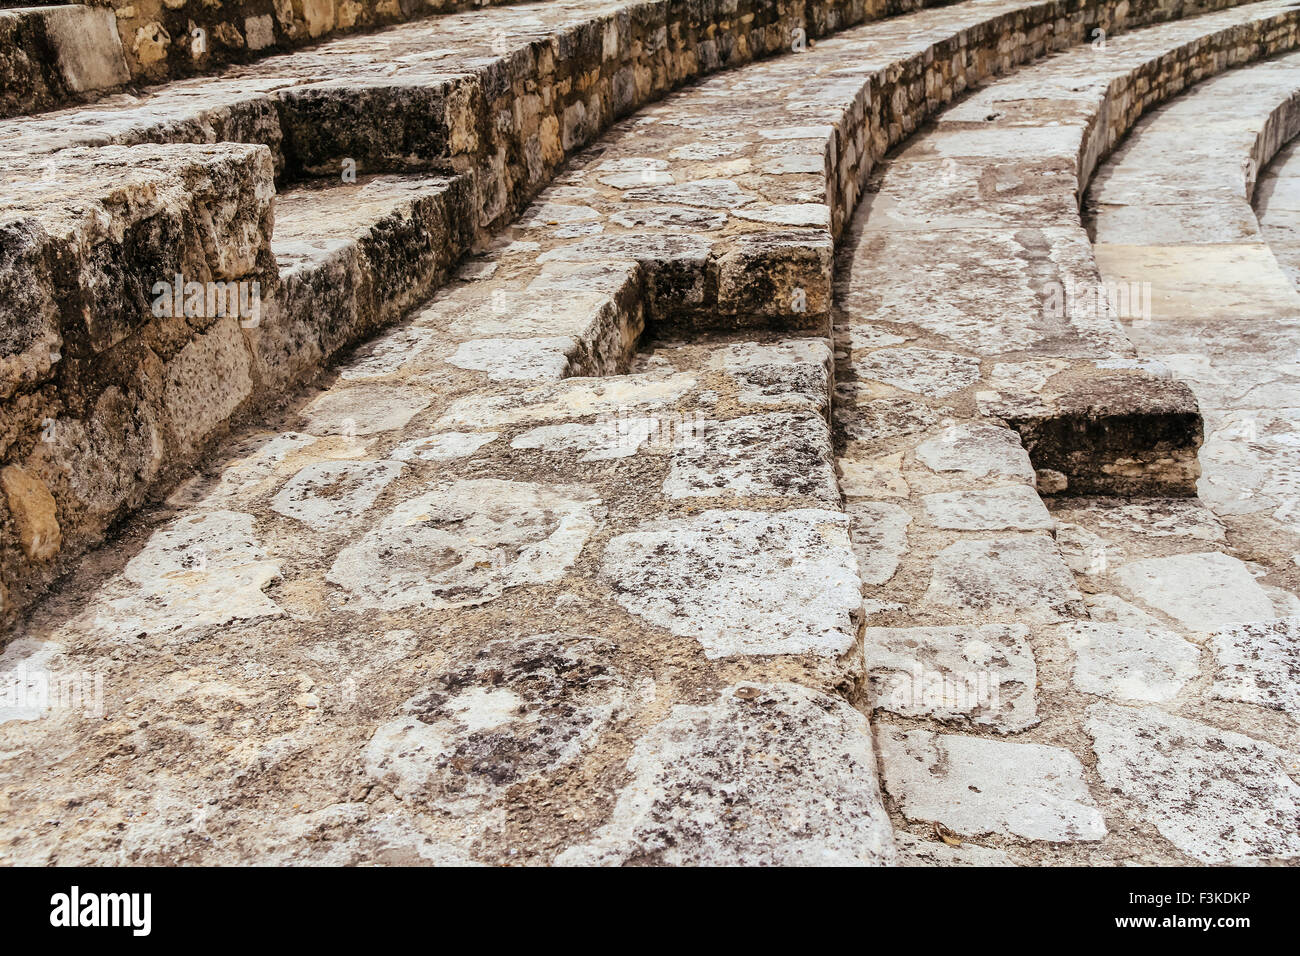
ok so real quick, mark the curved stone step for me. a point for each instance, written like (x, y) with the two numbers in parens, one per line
(1171, 208)
(1222, 306)
(972, 604)
(491, 100)
(1057, 367)
(656, 562)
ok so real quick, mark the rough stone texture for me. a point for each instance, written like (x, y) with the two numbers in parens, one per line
(511, 713)
(743, 582)
(474, 96)
(766, 775)
(984, 674)
(1204, 591)
(1218, 796)
(482, 537)
(1130, 663)
(55, 53)
(1010, 579)
(975, 786)
(464, 614)
(1259, 663)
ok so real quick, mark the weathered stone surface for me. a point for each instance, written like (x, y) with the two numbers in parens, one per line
(515, 711)
(1126, 662)
(466, 543)
(766, 775)
(914, 852)
(743, 582)
(24, 679)
(1218, 796)
(986, 674)
(1203, 591)
(972, 785)
(34, 512)
(1259, 663)
(1020, 578)
(205, 569)
(444, 447)
(926, 371)
(777, 455)
(979, 451)
(327, 494)
(363, 410)
(1016, 508)
(879, 538)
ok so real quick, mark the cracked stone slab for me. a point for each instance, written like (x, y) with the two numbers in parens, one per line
(1218, 796)
(1014, 508)
(973, 786)
(1259, 663)
(766, 775)
(326, 492)
(978, 451)
(1126, 662)
(984, 674)
(774, 455)
(1204, 591)
(743, 582)
(514, 710)
(203, 570)
(1021, 578)
(466, 543)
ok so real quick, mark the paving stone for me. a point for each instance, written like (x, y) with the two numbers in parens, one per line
(1203, 591)
(1016, 508)
(1218, 796)
(517, 360)
(927, 371)
(767, 456)
(445, 447)
(363, 410)
(205, 569)
(1130, 663)
(326, 493)
(916, 852)
(1259, 663)
(513, 711)
(619, 437)
(977, 450)
(567, 400)
(466, 543)
(1021, 578)
(879, 538)
(974, 785)
(743, 582)
(709, 193)
(766, 775)
(984, 674)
